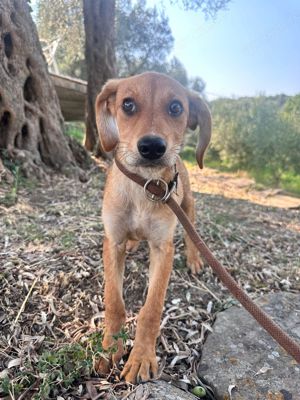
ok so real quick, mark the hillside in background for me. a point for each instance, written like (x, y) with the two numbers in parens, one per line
(260, 135)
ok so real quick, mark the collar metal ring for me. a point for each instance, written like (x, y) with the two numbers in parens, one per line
(158, 182)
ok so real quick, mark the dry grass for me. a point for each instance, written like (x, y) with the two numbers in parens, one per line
(51, 282)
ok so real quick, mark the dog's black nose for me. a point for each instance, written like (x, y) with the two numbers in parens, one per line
(151, 147)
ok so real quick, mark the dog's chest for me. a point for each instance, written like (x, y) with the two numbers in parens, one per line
(128, 214)
(146, 220)
(138, 225)
(142, 219)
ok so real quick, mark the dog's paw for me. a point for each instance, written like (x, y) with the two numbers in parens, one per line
(140, 367)
(114, 347)
(194, 263)
(132, 246)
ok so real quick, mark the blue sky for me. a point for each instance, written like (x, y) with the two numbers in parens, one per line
(252, 47)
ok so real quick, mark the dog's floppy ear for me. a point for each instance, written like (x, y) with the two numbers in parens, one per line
(199, 115)
(105, 115)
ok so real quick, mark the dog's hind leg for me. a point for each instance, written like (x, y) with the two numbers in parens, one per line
(193, 259)
(132, 246)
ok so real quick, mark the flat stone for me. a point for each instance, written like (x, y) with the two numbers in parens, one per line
(241, 358)
(160, 390)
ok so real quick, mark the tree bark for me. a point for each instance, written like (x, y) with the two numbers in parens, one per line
(99, 22)
(31, 123)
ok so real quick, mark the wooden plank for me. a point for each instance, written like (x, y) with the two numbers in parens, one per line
(72, 96)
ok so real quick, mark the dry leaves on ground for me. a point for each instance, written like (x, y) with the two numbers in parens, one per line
(51, 281)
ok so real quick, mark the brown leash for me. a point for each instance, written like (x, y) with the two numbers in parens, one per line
(158, 190)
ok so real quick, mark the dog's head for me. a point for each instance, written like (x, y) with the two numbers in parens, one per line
(145, 117)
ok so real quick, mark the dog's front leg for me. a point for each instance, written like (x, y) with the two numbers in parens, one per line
(115, 315)
(142, 360)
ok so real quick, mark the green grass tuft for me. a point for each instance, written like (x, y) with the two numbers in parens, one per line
(56, 371)
(76, 130)
(11, 197)
(291, 183)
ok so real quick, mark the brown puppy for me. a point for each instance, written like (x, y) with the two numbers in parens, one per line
(144, 118)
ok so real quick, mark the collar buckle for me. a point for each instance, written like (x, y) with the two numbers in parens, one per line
(166, 189)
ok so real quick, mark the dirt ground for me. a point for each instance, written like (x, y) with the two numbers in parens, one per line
(51, 276)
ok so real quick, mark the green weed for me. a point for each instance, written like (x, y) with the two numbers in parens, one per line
(57, 371)
(222, 219)
(291, 183)
(68, 239)
(288, 181)
(11, 197)
(122, 335)
(188, 154)
(76, 130)
(32, 232)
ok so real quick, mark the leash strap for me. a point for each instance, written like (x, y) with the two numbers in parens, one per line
(281, 337)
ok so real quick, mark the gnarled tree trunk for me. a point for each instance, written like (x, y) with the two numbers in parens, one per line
(31, 123)
(99, 22)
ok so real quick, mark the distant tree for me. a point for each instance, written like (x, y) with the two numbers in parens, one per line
(291, 114)
(209, 8)
(291, 109)
(176, 70)
(197, 84)
(259, 134)
(62, 20)
(143, 38)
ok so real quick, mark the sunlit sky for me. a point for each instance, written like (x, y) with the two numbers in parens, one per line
(252, 47)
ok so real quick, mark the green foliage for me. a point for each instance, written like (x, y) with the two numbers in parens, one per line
(197, 84)
(11, 196)
(58, 370)
(55, 369)
(68, 239)
(144, 38)
(62, 20)
(176, 70)
(188, 153)
(210, 8)
(62, 367)
(291, 182)
(260, 135)
(122, 335)
(144, 42)
(75, 130)
(16, 386)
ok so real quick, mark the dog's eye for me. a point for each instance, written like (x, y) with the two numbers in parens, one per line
(129, 106)
(175, 108)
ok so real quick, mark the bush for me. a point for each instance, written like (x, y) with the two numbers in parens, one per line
(260, 135)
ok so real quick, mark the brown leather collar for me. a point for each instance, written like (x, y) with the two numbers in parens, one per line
(155, 189)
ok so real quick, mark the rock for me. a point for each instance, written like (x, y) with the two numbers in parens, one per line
(239, 356)
(160, 390)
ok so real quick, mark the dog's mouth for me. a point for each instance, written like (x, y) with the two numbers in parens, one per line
(160, 163)
(134, 159)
